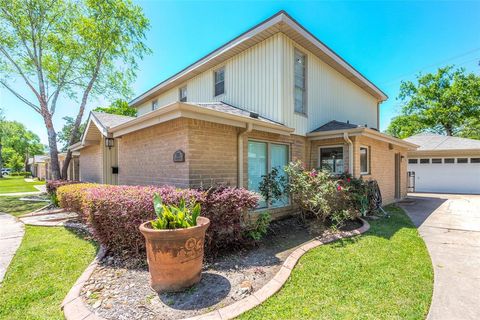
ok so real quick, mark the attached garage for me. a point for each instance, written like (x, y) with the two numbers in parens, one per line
(444, 164)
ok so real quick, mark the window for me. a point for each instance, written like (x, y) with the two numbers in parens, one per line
(154, 104)
(300, 82)
(219, 81)
(437, 161)
(474, 160)
(412, 161)
(331, 159)
(262, 158)
(364, 161)
(449, 160)
(462, 160)
(423, 161)
(182, 94)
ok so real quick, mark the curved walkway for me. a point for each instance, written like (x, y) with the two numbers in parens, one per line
(450, 227)
(11, 234)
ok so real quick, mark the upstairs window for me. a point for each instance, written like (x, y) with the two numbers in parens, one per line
(219, 76)
(182, 93)
(300, 82)
(154, 104)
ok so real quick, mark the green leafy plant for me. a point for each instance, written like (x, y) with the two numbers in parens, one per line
(272, 187)
(259, 228)
(173, 217)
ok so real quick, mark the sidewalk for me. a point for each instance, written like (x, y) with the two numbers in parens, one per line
(11, 234)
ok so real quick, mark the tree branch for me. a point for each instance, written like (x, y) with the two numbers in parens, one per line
(19, 96)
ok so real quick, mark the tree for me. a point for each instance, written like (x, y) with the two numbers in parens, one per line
(24, 143)
(443, 102)
(71, 49)
(2, 118)
(15, 162)
(65, 135)
(119, 107)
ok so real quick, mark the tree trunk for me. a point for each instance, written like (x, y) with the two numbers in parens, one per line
(52, 144)
(449, 130)
(73, 139)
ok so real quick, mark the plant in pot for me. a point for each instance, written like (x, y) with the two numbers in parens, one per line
(175, 245)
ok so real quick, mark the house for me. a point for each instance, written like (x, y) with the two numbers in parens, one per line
(73, 172)
(273, 94)
(444, 164)
(37, 166)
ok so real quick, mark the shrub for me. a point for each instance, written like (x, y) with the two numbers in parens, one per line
(71, 197)
(24, 174)
(327, 197)
(53, 185)
(227, 208)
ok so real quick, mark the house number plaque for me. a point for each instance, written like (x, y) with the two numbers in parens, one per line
(179, 156)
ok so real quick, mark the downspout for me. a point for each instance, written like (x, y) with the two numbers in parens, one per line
(240, 153)
(350, 152)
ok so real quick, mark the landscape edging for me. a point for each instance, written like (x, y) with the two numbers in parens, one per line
(74, 308)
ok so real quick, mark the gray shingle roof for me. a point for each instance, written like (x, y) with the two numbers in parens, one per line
(429, 141)
(108, 120)
(336, 125)
(228, 108)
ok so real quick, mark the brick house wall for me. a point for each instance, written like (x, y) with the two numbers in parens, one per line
(91, 165)
(382, 166)
(145, 157)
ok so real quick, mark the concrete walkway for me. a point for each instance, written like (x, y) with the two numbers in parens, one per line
(450, 226)
(11, 234)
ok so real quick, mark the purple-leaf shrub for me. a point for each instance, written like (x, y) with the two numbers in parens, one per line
(114, 213)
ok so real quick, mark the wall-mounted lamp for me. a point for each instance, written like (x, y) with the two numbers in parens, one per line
(109, 142)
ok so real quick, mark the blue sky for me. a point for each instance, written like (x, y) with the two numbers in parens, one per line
(386, 41)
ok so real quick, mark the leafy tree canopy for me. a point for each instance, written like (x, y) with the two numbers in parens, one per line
(119, 107)
(73, 49)
(446, 102)
(18, 142)
(65, 135)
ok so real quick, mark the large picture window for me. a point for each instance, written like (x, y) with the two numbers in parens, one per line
(331, 159)
(262, 158)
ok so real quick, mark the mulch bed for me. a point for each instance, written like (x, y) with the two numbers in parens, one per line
(119, 287)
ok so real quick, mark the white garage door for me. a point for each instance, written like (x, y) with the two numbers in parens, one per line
(446, 175)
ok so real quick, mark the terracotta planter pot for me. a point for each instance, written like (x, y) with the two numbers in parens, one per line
(175, 256)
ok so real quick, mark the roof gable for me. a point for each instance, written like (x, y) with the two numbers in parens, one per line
(280, 22)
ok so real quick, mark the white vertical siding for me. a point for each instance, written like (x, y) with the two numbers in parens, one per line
(330, 95)
(260, 79)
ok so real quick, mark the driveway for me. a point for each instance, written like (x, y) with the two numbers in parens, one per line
(450, 226)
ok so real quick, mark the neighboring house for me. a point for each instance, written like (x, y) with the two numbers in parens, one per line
(73, 172)
(444, 164)
(272, 95)
(37, 166)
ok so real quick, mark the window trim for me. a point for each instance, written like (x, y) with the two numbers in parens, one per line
(215, 81)
(269, 167)
(180, 93)
(305, 83)
(368, 161)
(319, 162)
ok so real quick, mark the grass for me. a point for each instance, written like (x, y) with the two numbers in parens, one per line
(384, 274)
(17, 207)
(42, 272)
(9, 184)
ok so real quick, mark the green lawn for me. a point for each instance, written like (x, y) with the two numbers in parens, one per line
(384, 274)
(42, 272)
(17, 207)
(9, 184)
